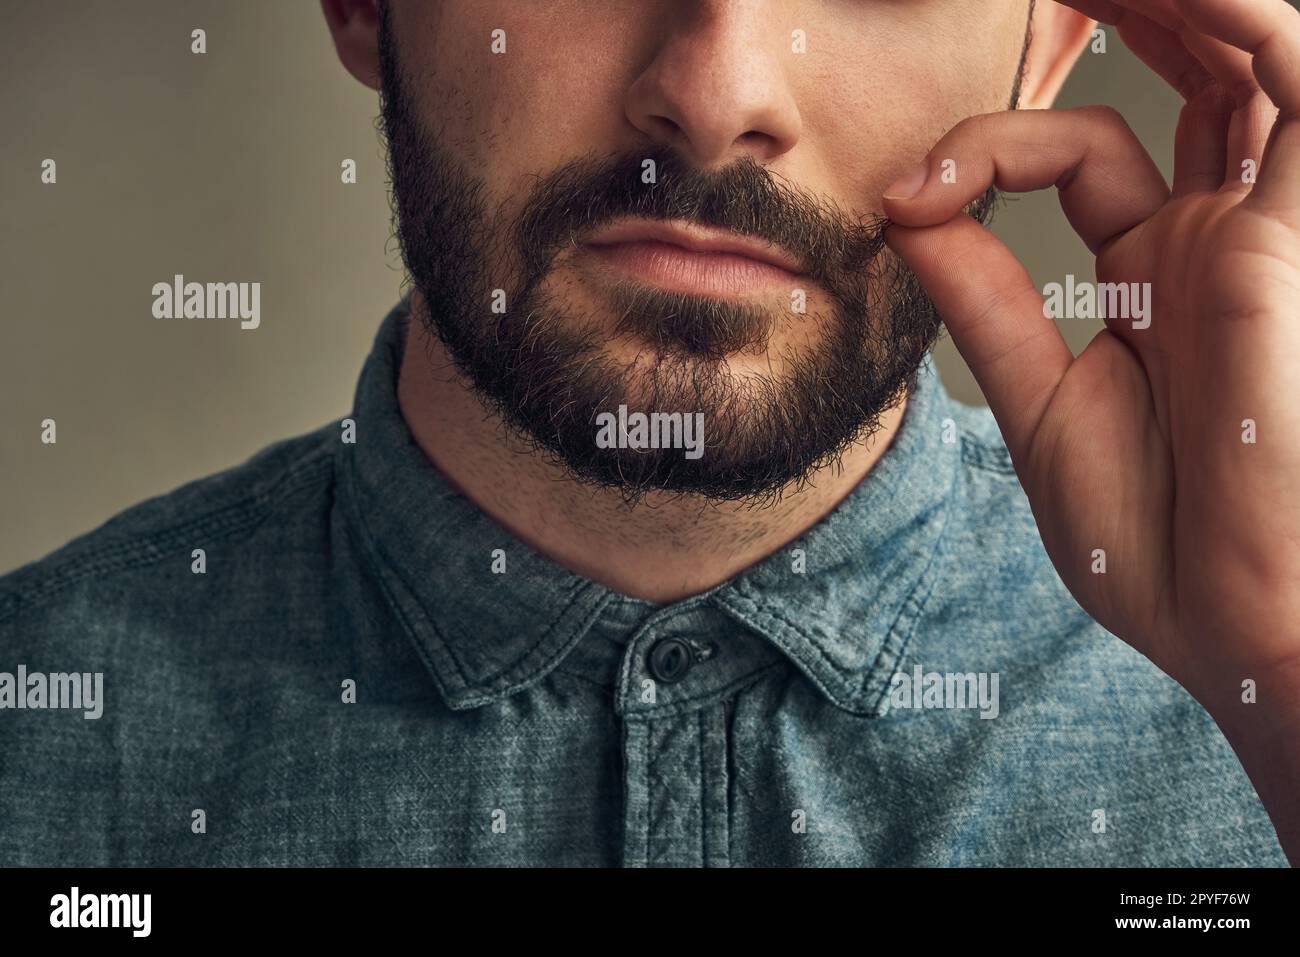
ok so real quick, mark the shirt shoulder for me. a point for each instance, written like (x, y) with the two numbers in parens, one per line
(991, 524)
(173, 612)
(94, 572)
(1089, 730)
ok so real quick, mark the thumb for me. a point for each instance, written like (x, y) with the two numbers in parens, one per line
(995, 316)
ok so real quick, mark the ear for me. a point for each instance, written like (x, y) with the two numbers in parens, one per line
(1059, 36)
(354, 24)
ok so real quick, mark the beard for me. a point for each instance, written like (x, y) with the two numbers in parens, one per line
(547, 368)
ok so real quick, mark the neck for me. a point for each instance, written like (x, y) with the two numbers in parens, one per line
(667, 548)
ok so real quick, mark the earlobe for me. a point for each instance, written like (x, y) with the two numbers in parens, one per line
(1060, 35)
(354, 24)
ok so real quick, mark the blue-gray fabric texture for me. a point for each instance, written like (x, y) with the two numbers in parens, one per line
(511, 718)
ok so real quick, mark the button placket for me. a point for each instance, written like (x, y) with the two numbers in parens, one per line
(677, 670)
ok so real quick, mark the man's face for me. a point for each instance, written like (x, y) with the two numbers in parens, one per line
(565, 206)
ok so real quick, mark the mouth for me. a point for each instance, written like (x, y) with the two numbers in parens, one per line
(686, 257)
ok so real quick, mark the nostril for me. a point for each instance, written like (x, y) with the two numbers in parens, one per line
(666, 128)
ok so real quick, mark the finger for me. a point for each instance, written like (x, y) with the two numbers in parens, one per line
(1219, 127)
(1248, 137)
(1165, 53)
(1198, 24)
(1268, 30)
(1106, 181)
(1104, 11)
(1235, 95)
(1251, 114)
(1200, 142)
(1114, 12)
(996, 319)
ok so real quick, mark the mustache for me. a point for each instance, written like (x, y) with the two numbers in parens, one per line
(590, 192)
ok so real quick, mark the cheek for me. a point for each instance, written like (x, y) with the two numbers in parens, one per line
(878, 100)
(553, 95)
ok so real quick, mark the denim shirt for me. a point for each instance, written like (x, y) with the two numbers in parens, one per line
(362, 668)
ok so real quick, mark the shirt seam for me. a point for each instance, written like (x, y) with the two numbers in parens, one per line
(899, 640)
(144, 548)
(986, 456)
(903, 628)
(704, 789)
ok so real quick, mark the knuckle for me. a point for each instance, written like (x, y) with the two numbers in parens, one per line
(1213, 101)
(980, 126)
(1106, 115)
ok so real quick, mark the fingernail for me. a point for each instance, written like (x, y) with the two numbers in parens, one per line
(909, 184)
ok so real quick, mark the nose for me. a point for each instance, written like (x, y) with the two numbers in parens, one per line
(716, 87)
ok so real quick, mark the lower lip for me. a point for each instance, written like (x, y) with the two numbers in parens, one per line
(680, 269)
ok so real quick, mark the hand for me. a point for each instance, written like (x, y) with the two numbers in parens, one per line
(1171, 445)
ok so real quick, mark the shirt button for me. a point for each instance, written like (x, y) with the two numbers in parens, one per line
(671, 659)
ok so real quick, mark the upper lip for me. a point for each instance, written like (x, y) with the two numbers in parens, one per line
(696, 238)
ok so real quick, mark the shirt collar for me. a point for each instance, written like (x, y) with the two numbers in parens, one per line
(843, 617)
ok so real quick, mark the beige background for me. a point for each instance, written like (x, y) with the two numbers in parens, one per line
(225, 167)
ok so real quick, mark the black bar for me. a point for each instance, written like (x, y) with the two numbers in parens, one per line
(334, 907)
